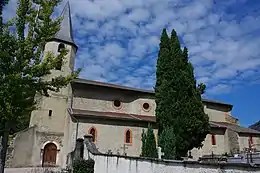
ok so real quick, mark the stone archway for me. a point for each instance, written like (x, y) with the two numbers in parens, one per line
(49, 155)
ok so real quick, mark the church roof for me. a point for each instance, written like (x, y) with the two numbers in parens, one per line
(113, 115)
(65, 33)
(152, 119)
(144, 91)
(234, 127)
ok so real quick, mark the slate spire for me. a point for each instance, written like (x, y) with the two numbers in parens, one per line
(65, 33)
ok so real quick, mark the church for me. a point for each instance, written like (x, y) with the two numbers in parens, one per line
(114, 115)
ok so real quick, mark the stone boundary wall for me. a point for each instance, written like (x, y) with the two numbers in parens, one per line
(124, 164)
(31, 170)
(107, 163)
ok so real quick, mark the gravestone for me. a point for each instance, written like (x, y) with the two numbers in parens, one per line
(160, 153)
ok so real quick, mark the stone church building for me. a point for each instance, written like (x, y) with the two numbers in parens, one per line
(115, 115)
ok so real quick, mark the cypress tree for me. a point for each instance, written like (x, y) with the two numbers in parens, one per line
(178, 98)
(161, 67)
(149, 144)
(143, 154)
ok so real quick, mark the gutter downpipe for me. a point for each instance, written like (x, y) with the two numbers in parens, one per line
(77, 126)
(73, 117)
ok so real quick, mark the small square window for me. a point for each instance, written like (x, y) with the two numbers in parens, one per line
(213, 140)
(50, 113)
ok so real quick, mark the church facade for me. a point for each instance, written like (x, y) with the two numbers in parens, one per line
(115, 116)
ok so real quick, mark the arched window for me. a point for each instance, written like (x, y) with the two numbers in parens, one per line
(49, 155)
(213, 140)
(128, 136)
(60, 47)
(93, 131)
(59, 64)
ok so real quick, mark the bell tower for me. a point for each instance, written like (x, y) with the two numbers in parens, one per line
(51, 112)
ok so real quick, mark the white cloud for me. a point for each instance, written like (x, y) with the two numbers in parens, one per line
(118, 39)
(220, 88)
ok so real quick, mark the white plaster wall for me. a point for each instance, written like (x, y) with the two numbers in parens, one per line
(111, 137)
(208, 148)
(256, 142)
(243, 141)
(215, 115)
(95, 98)
(113, 164)
(133, 107)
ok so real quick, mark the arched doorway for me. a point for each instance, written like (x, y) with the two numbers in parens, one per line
(49, 155)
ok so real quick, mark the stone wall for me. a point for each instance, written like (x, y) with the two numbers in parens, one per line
(116, 164)
(233, 141)
(10, 152)
(32, 170)
(125, 164)
(20, 148)
(231, 119)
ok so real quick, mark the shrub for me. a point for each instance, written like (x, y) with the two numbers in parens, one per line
(83, 166)
(149, 144)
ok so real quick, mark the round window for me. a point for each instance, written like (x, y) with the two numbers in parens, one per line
(146, 106)
(117, 103)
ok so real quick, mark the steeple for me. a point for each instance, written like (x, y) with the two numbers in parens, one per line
(65, 33)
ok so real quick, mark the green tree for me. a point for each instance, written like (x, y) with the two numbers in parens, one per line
(2, 4)
(179, 107)
(149, 144)
(162, 67)
(143, 150)
(23, 64)
(167, 143)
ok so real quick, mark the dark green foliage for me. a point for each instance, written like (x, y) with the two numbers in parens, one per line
(161, 67)
(2, 4)
(167, 142)
(143, 154)
(149, 144)
(83, 166)
(178, 100)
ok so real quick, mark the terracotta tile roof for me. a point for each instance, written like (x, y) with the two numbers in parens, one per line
(152, 119)
(113, 115)
(109, 85)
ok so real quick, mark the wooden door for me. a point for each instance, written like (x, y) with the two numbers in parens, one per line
(49, 155)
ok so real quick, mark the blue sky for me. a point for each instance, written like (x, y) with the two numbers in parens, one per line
(118, 43)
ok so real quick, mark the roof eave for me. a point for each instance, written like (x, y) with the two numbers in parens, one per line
(83, 116)
(250, 133)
